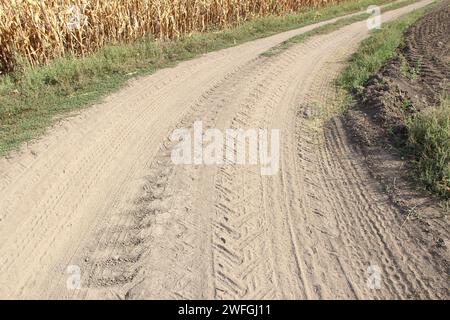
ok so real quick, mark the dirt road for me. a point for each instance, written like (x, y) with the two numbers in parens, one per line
(101, 192)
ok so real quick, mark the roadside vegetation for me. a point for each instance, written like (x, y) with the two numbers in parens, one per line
(33, 97)
(427, 140)
(375, 51)
(331, 27)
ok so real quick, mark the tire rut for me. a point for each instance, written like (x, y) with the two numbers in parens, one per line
(164, 231)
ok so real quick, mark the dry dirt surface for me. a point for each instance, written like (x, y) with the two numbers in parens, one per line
(100, 192)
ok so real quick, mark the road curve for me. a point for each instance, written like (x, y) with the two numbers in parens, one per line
(100, 192)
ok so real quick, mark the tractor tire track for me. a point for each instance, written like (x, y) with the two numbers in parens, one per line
(101, 192)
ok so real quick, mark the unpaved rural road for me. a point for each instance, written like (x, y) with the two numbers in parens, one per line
(100, 192)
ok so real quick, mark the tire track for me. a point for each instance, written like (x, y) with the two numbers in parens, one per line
(141, 227)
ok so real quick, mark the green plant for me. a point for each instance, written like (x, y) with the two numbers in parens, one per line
(429, 142)
(410, 72)
(375, 51)
(406, 104)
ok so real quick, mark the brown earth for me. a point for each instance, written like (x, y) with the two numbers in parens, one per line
(414, 80)
(100, 192)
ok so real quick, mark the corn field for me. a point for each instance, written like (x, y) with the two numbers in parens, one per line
(41, 30)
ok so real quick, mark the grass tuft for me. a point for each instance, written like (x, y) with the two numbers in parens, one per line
(429, 142)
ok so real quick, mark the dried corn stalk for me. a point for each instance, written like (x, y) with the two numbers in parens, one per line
(41, 30)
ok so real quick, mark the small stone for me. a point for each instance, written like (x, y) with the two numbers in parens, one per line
(440, 243)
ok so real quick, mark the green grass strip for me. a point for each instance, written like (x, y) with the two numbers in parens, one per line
(376, 50)
(329, 28)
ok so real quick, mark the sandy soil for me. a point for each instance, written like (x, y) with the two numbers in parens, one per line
(100, 192)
